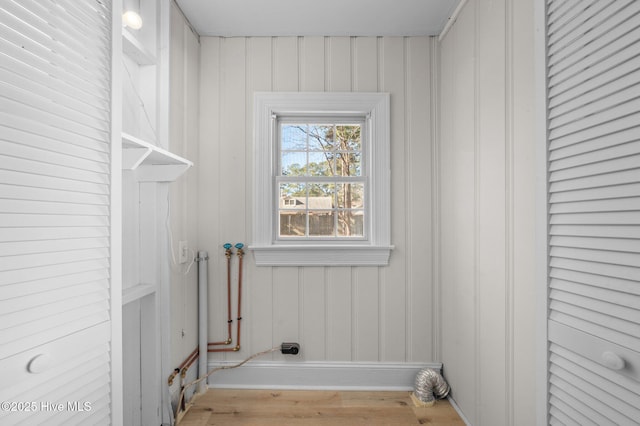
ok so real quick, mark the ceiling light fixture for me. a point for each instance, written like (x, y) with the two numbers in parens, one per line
(132, 19)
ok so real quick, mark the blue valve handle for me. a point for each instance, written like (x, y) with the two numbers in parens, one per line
(239, 246)
(227, 246)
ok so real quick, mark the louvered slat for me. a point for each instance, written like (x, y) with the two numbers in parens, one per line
(597, 111)
(559, 417)
(49, 113)
(55, 125)
(630, 232)
(12, 192)
(595, 156)
(47, 157)
(595, 403)
(49, 246)
(572, 41)
(604, 269)
(567, 16)
(598, 62)
(47, 143)
(593, 101)
(72, 35)
(604, 181)
(46, 233)
(14, 51)
(600, 256)
(580, 413)
(622, 288)
(626, 204)
(557, 9)
(595, 297)
(20, 178)
(620, 318)
(37, 83)
(594, 144)
(27, 288)
(611, 244)
(629, 162)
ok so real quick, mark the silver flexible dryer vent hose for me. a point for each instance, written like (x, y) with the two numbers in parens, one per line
(429, 386)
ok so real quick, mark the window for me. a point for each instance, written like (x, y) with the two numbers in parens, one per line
(320, 180)
(321, 191)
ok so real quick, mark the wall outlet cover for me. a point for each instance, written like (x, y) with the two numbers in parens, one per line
(183, 252)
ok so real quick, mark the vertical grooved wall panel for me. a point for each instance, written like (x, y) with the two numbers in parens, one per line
(336, 313)
(486, 188)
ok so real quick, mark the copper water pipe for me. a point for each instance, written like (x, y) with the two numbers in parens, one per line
(183, 372)
(240, 256)
(227, 253)
(189, 363)
(236, 348)
(184, 366)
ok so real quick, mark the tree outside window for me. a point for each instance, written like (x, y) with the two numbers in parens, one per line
(321, 185)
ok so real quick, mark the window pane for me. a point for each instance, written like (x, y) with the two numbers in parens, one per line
(294, 137)
(348, 137)
(348, 164)
(350, 195)
(290, 190)
(320, 137)
(293, 223)
(350, 223)
(321, 223)
(321, 196)
(321, 164)
(294, 163)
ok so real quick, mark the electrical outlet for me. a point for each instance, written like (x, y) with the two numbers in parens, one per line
(183, 252)
(290, 348)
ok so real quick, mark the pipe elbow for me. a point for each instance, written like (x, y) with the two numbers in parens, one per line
(429, 386)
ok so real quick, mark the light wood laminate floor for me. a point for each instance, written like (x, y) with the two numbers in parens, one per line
(348, 408)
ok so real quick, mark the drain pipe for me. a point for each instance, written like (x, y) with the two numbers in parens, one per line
(203, 318)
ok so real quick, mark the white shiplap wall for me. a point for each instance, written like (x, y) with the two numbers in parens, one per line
(183, 140)
(486, 157)
(342, 314)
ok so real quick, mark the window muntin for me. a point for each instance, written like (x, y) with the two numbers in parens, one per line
(321, 181)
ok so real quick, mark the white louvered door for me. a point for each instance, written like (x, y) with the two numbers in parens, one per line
(55, 189)
(593, 66)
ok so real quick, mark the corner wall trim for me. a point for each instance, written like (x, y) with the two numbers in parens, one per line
(452, 19)
(319, 375)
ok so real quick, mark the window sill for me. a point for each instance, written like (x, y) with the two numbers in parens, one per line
(321, 255)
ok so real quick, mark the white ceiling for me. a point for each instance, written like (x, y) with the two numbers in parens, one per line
(317, 17)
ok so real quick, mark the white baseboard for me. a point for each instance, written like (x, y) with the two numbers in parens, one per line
(458, 410)
(318, 375)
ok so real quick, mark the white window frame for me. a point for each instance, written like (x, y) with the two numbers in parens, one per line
(376, 248)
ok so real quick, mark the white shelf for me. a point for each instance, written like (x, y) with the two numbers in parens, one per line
(132, 47)
(151, 163)
(137, 292)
